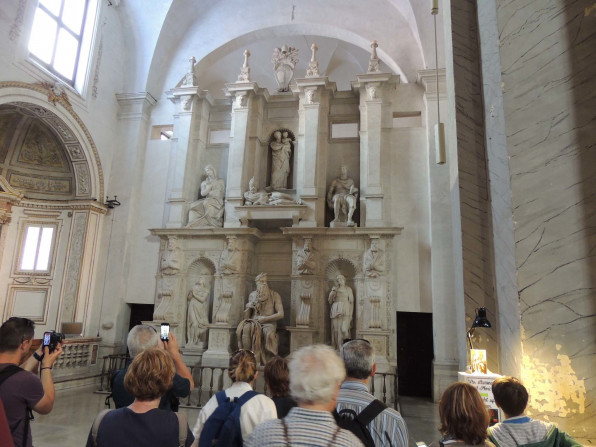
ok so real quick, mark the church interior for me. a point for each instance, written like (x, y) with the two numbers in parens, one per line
(389, 169)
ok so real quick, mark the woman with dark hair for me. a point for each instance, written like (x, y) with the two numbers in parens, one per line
(464, 417)
(149, 376)
(277, 379)
(243, 372)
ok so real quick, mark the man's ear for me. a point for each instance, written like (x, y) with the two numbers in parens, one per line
(374, 370)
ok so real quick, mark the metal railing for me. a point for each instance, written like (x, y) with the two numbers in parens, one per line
(209, 380)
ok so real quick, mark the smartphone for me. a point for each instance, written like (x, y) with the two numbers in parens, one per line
(165, 331)
(47, 338)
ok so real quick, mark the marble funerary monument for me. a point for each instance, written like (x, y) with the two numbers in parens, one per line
(283, 237)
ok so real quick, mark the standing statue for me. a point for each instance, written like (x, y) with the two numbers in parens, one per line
(197, 321)
(306, 262)
(341, 300)
(284, 61)
(374, 260)
(208, 212)
(171, 258)
(281, 150)
(230, 260)
(342, 197)
(257, 331)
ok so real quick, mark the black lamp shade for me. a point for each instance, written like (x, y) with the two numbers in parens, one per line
(481, 320)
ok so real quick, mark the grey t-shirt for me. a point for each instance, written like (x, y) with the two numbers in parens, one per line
(19, 391)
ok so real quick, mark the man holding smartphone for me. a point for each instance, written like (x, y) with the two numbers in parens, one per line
(20, 390)
(143, 337)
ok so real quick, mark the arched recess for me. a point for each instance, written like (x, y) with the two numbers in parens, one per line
(199, 269)
(36, 100)
(58, 171)
(345, 267)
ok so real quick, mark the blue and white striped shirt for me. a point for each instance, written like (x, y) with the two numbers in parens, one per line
(387, 429)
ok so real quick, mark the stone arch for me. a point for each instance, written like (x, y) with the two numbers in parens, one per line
(201, 266)
(41, 103)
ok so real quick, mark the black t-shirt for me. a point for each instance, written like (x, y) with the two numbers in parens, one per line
(122, 398)
(125, 428)
(283, 405)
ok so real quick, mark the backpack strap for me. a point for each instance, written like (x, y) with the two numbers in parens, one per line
(96, 422)
(182, 428)
(221, 397)
(373, 409)
(246, 397)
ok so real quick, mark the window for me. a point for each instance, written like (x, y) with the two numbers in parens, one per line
(61, 38)
(37, 248)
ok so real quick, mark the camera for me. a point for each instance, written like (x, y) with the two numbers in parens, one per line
(51, 339)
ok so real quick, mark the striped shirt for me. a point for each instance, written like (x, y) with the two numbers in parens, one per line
(387, 429)
(519, 430)
(305, 427)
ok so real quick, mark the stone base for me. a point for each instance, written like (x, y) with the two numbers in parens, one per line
(334, 224)
(443, 375)
(379, 339)
(192, 355)
(301, 336)
(218, 351)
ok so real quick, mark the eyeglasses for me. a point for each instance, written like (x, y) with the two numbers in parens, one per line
(347, 340)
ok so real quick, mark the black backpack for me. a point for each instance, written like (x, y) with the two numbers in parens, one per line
(357, 423)
(223, 426)
(5, 373)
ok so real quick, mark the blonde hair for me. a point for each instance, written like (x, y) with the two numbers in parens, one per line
(243, 366)
(463, 414)
(150, 374)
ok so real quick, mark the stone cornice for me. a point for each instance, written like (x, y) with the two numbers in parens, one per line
(91, 205)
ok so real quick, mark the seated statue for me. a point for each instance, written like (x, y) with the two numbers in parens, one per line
(342, 198)
(255, 197)
(258, 331)
(208, 211)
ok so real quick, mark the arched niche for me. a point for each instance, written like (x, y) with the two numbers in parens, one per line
(201, 268)
(46, 150)
(345, 267)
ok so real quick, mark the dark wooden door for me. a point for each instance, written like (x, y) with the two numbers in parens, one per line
(414, 353)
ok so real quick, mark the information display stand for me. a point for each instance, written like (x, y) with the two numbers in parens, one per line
(483, 383)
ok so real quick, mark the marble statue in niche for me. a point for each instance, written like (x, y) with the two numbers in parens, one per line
(284, 61)
(255, 197)
(198, 308)
(306, 261)
(374, 260)
(208, 211)
(341, 299)
(171, 258)
(342, 198)
(281, 150)
(230, 260)
(257, 331)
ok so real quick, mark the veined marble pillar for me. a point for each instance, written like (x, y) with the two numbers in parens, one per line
(190, 136)
(375, 116)
(313, 129)
(243, 145)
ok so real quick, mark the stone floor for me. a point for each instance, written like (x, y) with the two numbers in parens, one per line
(69, 423)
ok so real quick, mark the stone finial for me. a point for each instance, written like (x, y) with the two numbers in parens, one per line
(313, 65)
(374, 62)
(189, 79)
(244, 75)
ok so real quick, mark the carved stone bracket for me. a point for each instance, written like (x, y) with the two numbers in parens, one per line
(303, 317)
(222, 314)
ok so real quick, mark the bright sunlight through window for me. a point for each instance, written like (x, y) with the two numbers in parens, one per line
(37, 249)
(61, 38)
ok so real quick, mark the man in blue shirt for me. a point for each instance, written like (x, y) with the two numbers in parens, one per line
(143, 337)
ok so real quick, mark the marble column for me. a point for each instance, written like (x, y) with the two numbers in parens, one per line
(313, 129)
(244, 142)
(375, 117)
(188, 143)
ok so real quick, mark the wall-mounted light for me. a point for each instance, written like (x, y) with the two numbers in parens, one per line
(112, 203)
(479, 321)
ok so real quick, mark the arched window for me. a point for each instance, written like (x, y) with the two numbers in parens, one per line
(61, 36)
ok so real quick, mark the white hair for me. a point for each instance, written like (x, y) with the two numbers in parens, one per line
(315, 374)
(141, 337)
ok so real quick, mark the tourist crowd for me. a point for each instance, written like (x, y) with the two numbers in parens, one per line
(319, 398)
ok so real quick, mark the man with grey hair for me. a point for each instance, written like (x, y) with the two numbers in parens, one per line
(316, 373)
(140, 338)
(387, 428)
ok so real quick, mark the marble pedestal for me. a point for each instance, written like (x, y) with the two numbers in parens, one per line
(301, 336)
(192, 356)
(218, 351)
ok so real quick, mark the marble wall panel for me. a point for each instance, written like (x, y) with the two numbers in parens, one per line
(474, 194)
(549, 90)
